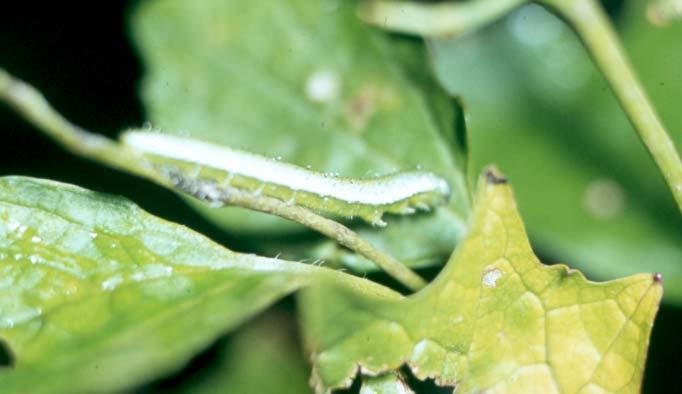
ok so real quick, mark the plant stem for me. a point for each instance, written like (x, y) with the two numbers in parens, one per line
(343, 235)
(435, 20)
(594, 28)
(28, 101)
(33, 106)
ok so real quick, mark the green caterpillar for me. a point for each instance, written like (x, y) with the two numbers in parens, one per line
(368, 199)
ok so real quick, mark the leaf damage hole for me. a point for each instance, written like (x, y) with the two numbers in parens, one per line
(490, 277)
(354, 388)
(424, 386)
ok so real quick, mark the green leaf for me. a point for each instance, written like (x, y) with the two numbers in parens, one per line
(261, 358)
(97, 295)
(389, 383)
(588, 189)
(328, 92)
(494, 319)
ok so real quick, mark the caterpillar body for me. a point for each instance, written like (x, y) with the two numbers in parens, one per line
(221, 166)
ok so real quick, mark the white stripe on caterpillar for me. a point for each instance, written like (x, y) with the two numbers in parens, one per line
(394, 193)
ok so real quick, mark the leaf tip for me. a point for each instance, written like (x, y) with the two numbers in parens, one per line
(493, 176)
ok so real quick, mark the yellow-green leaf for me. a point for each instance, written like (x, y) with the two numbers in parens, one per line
(495, 319)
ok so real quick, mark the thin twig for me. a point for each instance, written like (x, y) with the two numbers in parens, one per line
(593, 26)
(33, 106)
(208, 191)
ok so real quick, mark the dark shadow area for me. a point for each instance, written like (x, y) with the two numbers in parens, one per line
(213, 357)
(428, 273)
(197, 366)
(353, 389)
(6, 355)
(79, 56)
(427, 386)
(614, 8)
(664, 362)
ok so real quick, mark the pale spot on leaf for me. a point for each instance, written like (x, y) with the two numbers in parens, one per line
(491, 277)
(323, 86)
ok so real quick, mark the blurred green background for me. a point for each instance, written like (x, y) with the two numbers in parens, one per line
(588, 192)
